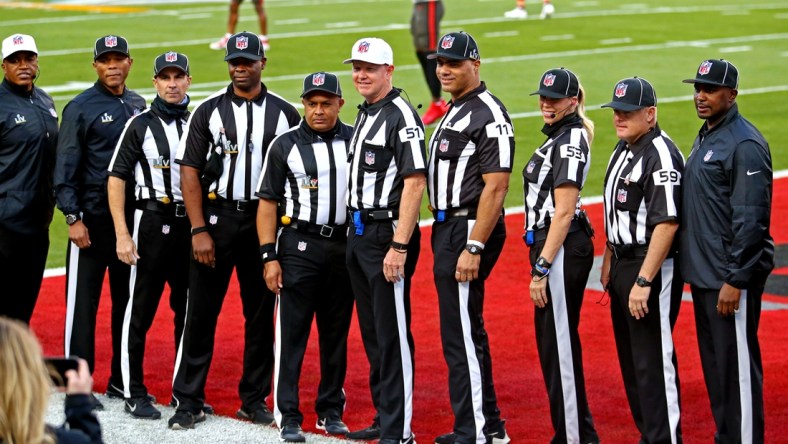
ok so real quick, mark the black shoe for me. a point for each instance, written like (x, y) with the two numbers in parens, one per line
(291, 433)
(141, 407)
(114, 392)
(448, 438)
(259, 415)
(183, 420)
(97, 405)
(411, 440)
(206, 408)
(371, 432)
(498, 434)
(332, 425)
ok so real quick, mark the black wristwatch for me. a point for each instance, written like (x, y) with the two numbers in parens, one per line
(71, 219)
(474, 249)
(642, 282)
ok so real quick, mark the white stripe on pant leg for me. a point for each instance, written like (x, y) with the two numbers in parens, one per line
(71, 294)
(745, 382)
(564, 347)
(277, 359)
(179, 354)
(668, 370)
(407, 362)
(474, 369)
(125, 370)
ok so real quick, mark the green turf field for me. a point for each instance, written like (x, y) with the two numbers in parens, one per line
(602, 41)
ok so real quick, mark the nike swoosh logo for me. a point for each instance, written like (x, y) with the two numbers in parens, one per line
(750, 173)
(132, 407)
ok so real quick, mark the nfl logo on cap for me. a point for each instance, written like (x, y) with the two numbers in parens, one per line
(363, 47)
(447, 42)
(705, 68)
(171, 56)
(110, 41)
(621, 90)
(549, 79)
(318, 79)
(242, 42)
(18, 40)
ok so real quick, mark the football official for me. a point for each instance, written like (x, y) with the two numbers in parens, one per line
(561, 252)
(92, 124)
(221, 156)
(727, 250)
(28, 137)
(642, 191)
(386, 185)
(304, 187)
(158, 250)
(470, 161)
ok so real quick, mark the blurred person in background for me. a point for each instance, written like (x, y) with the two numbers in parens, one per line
(232, 22)
(25, 388)
(28, 139)
(519, 11)
(558, 235)
(425, 29)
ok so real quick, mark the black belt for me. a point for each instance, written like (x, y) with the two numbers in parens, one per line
(628, 251)
(241, 206)
(327, 231)
(375, 215)
(442, 215)
(177, 209)
(534, 236)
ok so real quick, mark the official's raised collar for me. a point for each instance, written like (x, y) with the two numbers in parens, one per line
(238, 100)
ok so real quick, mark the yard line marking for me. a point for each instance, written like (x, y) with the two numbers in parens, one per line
(493, 35)
(201, 15)
(297, 21)
(744, 48)
(552, 38)
(341, 24)
(615, 41)
(71, 7)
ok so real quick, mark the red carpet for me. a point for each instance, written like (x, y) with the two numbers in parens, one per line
(509, 319)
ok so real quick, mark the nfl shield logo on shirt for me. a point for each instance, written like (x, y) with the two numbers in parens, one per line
(318, 79)
(447, 42)
(110, 41)
(213, 219)
(369, 158)
(622, 195)
(549, 80)
(530, 168)
(708, 155)
(165, 229)
(301, 246)
(621, 90)
(705, 67)
(444, 146)
(241, 42)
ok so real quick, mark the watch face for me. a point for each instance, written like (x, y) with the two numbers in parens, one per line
(473, 249)
(71, 218)
(642, 282)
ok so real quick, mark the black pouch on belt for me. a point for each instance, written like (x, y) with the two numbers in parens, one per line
(585, 224)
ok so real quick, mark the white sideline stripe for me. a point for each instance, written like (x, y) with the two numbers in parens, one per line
(61, 271)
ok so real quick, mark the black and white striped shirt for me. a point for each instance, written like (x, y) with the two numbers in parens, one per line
(387, 146)
(642, 188)
(145, 150)
(564, 157)
(242, 129)
(306, 173)
(474, 138)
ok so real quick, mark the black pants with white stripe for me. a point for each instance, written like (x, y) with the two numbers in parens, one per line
(236, 247)
(85, 270)
(558, 340)
(384, 320)
(645, 349)
(164, 246)
(23, 258)
(731, 358)
(466, 347)
(315, 285)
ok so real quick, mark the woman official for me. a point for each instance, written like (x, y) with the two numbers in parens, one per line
(561, 251)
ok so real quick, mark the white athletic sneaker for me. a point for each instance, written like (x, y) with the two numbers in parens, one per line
(547, 11)
(516, 13)
(264, 41)
(221, 43)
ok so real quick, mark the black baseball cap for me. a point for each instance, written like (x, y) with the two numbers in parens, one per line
(322, 81)
(558, 83)
(632, 94)
(244, 45)
(717, 72)
(110, 43)
(171, 60)
(457, 46)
